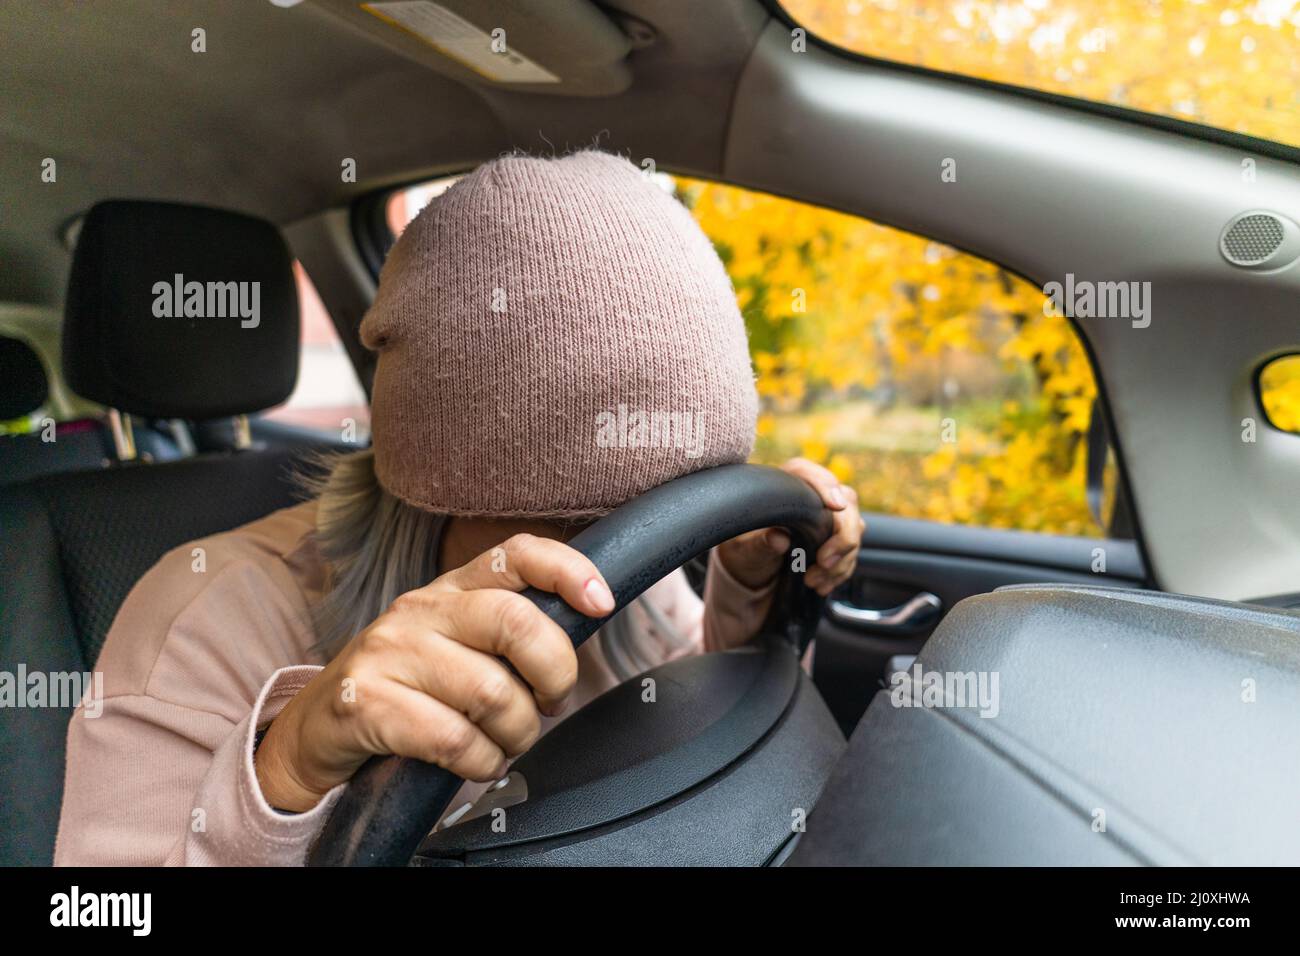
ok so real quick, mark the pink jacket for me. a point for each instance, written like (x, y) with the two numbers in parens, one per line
(208, 648)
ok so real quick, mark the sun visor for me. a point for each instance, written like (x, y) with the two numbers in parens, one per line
(560, 47)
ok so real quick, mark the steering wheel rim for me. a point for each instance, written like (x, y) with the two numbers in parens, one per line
(392, 803)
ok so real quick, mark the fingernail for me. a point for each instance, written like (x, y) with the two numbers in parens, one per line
(777, 541)
(836, 497)
(599, 596)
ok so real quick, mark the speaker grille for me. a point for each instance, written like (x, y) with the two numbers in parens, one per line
(1252, 239)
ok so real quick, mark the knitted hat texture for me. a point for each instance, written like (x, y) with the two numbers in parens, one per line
(555, 336)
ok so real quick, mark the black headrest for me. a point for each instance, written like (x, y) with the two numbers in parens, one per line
(25, 387)
(180, 311)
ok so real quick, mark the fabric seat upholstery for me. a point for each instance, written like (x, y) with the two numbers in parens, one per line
(78, 544)
(73, 545)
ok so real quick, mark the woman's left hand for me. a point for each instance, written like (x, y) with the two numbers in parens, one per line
(754, 558)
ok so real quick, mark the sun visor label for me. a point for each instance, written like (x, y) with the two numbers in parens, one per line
(457, 38)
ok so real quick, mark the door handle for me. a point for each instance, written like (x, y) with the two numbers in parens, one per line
(915, 614)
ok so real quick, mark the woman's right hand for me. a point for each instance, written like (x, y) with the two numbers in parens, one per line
(426, 679)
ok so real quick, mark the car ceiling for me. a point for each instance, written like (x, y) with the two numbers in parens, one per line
(262, 120)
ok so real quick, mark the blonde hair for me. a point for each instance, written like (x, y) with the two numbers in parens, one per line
(376, 547)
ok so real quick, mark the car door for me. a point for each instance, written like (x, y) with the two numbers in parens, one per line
(912, 572)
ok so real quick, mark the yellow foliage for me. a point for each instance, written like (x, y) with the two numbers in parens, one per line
(1279, 390)
(1233, 64)
(865, 340)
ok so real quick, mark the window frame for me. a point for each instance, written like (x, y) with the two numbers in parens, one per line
(1244, 142)
(267, 420)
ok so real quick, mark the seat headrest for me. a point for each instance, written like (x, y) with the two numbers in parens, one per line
(25, 385)
(180, 311)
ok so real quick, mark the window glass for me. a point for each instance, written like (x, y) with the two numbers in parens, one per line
(1279, 392)
(933, 382)
(1234, 64)
(405, 204)
(327, 397)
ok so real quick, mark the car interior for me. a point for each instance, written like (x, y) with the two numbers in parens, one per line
(1148, 676)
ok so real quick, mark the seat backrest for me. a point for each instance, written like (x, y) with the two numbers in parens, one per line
(80, 447)
(72, 545)
(113, 527)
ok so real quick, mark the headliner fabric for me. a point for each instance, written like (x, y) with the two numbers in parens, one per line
(25, 386)
(261, 121)
(132, 342)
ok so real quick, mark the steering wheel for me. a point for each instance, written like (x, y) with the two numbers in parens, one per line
(392, 803)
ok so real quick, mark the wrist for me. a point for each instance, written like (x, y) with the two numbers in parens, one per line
(754, 575)
(273, 766)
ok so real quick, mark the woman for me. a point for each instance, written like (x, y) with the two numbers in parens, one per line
(554, 337)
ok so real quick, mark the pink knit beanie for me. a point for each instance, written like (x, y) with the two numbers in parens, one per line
(555, 337)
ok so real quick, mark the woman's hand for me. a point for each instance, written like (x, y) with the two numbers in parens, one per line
(426, 679)
(754, 558)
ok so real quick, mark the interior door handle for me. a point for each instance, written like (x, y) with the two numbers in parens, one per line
(915, 614)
